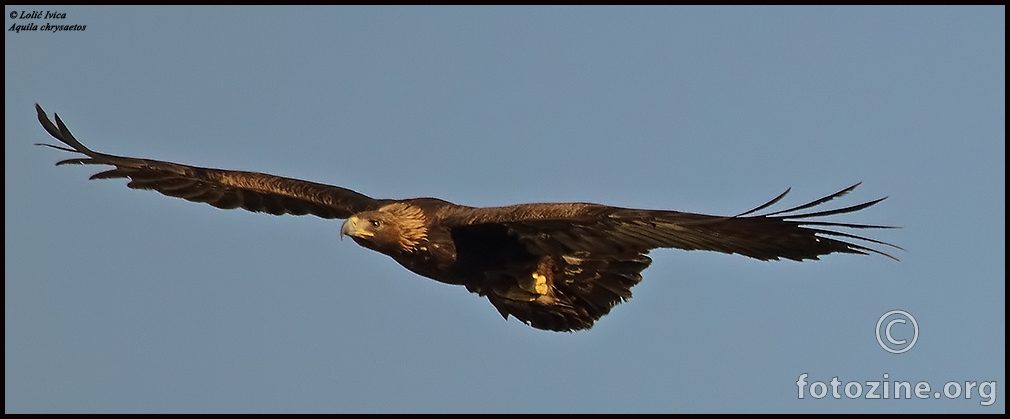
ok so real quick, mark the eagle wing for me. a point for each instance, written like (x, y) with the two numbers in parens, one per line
(227, 189)
(581, 260)
(789, 234)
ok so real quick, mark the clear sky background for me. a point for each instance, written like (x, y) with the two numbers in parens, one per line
(118, 300)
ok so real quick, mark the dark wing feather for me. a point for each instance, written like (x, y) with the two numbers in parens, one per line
(226, 189)
(781, 234)
(590, 256)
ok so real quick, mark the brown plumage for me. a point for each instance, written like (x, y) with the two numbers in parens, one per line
(553, 266)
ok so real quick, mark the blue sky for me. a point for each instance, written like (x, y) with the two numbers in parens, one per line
(128, 301)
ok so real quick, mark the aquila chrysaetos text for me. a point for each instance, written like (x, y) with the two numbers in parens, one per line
(553, 266)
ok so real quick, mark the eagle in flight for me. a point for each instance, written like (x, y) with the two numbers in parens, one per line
(555, 267)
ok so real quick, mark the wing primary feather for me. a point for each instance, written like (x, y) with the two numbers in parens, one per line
(766, 204)
(108, 174)
(88, 160)
(56, 147)
(817, 202)
(832, 212)
(62, 133)
(853, 236)
(46, 123)
(855, 248)
(847, 225)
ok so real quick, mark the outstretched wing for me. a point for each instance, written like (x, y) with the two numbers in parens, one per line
(228, 189)
(567, 265)
(789, 234)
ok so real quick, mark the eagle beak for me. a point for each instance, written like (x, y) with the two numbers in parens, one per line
(352, 227)
(348, 226)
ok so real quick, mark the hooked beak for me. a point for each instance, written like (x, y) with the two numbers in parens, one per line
(352, 227)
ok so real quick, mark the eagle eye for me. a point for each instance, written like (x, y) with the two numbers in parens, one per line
(375, 223)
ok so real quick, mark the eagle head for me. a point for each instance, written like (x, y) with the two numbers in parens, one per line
(394, 228)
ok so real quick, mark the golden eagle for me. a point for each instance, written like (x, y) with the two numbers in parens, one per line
(553, 266)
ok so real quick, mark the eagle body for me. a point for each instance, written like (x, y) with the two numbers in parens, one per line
(561, 287)
(554, 266)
